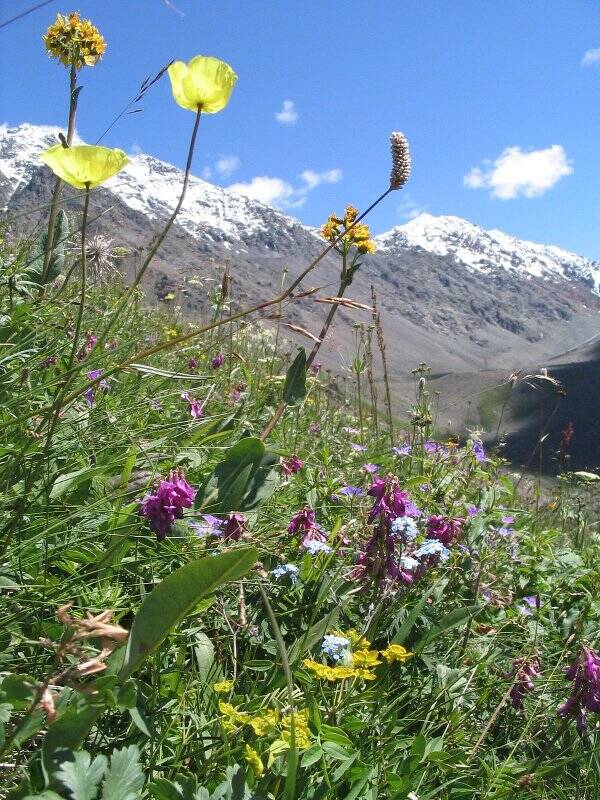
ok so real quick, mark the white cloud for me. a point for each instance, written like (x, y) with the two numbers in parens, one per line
(135, 149)
(207, 173)
(227, 165)
(288, 114)
(591, 57)
(272, 191)
(408, 209)
(517, 173)
(277, 192)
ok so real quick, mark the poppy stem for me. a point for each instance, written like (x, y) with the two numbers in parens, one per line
(86, 205)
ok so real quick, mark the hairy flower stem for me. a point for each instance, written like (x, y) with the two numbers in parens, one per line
(58, 184)
(159, 239)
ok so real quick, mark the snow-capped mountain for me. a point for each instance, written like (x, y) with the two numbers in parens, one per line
(486, 250)
(451, 293)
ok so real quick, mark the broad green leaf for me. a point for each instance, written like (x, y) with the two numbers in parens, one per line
(125, 776)
(177, 595)
(82, 775)
(294, 388)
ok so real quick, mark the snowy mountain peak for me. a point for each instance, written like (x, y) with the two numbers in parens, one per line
(483, 250)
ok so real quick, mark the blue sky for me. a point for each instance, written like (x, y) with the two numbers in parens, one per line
(499, 102)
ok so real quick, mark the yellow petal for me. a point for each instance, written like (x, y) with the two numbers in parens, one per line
(177, 71)
(84, 165)
(205, 81)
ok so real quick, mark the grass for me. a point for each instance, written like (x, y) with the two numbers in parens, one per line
(437, 724)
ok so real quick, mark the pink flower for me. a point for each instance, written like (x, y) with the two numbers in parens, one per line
(217, 361)
(194, 405)
(192, 363)
(290, 466)
(234, 526)
(445, 529)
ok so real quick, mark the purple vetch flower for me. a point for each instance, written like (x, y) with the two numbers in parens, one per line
(371, 468)
(472, 510)
(352, 491)
(289, 570)
(194, 405)
(290, 466)
(210, 527)
(217, 361)
(584, 672)
(234, 526)
(431, 447)
(403, 450)
(390, 500)
(90, 343)
(192, 363)
(237, 392)
(445, 529)
(359, 448)
(508, 520)
(48, 362)
(315, 367)
(531, 603)
(313, 428)
(478, 450)
(523, 672)
(302, 521)
(166, 502)
(90, 394)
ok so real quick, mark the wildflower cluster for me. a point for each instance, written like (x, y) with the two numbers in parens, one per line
(74, 41)
(584, 672)
(353, 657)
(166, 502)
(359, 236)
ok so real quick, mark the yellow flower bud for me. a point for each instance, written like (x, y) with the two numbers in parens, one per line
(205, 83)
(84, 165)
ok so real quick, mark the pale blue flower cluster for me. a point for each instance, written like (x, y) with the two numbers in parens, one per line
(409, 563)
(314, 546)
(336, 647)
(432, 547)
(406, 528)
(291, 570)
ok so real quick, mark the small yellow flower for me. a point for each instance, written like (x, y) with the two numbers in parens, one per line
(357, 640)
(367, 246)
(365, 658)
(84, 165)
(254, 761)
(350, 216)
(171, 333)
(204, 82)
(301, 729)
(262, 724)
(338, 673)
(223, 687)
(74, 41)
(395, 652)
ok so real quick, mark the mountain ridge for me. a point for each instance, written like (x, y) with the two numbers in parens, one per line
(451, 293)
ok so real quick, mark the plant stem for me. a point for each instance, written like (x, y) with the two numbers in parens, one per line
(58, 184)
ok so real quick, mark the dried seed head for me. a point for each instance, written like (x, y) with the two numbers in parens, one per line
(400, 160)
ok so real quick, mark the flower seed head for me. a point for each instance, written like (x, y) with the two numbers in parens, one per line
(400, 160)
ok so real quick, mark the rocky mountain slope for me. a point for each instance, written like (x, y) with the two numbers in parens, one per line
(452, 294)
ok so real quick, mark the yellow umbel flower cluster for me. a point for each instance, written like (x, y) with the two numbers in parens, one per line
(338, 673)
(267, 723)
(361, 662)
(359, 236)
(74, 41)
(395, 652)
(222, 687)
(254, 761)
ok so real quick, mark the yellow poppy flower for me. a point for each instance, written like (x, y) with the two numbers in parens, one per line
(84, 164)
(204, 82)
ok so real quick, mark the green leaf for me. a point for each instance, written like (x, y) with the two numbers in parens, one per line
(125, 776)
(294, 388)
(450, 620)
(82, 775)
(177, 595)
(241, 481)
